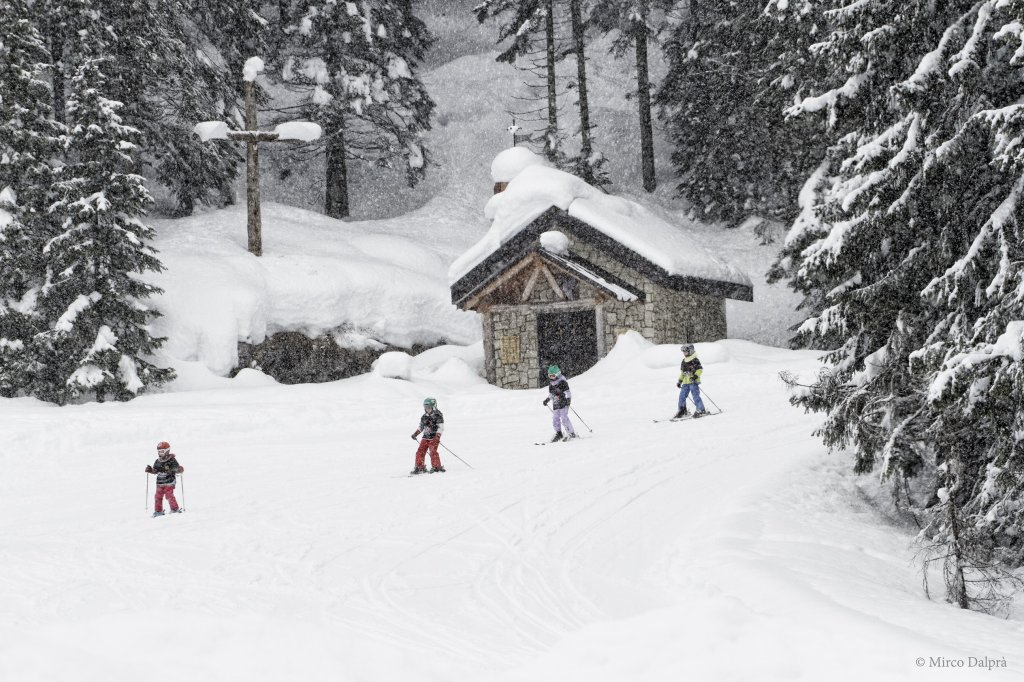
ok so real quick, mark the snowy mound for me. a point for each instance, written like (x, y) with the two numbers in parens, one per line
(393, 365)
(536, 188)
(511, 162)
(448, 365)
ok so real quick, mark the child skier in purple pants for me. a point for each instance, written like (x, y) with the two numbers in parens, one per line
(562, 397)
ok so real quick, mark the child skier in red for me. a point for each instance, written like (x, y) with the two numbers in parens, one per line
(166, 468)
(431, 426)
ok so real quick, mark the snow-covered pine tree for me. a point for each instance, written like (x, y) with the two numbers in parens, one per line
(29, 141)
(589, 164)
(223, 35)
(98, 339)
(358, 64)
(907, 250)
(631, 20)
(730, 79)
(523, 25)
(520, 22)
(974, 356)
(171, 69)
(534, 32)
(228, 34)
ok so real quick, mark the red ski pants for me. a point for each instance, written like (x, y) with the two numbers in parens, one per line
(428, 444)
(163, 491)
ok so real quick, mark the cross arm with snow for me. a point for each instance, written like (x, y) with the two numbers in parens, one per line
(292, 131)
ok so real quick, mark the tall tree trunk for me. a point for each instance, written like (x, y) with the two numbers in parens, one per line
(551, 137)
(575, 12)
(643, 93)
(336, 204)
(956, 584)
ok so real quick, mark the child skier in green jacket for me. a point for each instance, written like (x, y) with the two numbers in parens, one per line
(690, 371)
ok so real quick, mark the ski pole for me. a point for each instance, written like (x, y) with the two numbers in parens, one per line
(182, 490)
(580, 418)
(454, 455)
(712, 401)
(146, 507)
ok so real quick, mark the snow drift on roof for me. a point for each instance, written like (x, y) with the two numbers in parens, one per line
(537, 188)
(509, 163)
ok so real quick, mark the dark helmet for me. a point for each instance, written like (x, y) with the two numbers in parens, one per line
(430, 402)
(687, 349)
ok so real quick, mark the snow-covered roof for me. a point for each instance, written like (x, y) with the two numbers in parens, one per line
(537, 188)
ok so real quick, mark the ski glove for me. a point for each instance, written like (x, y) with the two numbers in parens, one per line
(181, 470)
(679, 384)
(547, 400)
(413, 436)
(149, 469)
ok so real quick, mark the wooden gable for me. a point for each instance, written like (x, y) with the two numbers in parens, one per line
(539, 278)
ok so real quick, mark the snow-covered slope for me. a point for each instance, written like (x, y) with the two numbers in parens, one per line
(721, 549)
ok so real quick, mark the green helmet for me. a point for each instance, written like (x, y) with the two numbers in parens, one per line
(554, 370)
(429, 402)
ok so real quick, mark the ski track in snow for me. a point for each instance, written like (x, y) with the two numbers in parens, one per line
(301, 556)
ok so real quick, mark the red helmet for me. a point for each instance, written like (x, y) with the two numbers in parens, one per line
(163, 448)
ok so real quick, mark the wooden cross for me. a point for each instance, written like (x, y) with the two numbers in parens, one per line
(516, 137)
(252, 136)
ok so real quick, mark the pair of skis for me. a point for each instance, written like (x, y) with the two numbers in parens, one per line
(157, 515)
(560, 440)
(412, 475)
(687, 417)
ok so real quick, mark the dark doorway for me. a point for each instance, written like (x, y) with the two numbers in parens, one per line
(567, 339)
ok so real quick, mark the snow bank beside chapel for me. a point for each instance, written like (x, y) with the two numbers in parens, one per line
(378, 280)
